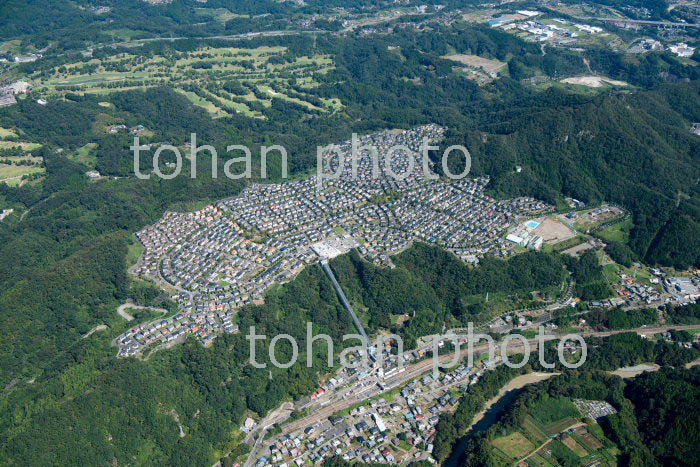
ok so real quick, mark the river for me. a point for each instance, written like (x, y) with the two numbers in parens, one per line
(493, 409)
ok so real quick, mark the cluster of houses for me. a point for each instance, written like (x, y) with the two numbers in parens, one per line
(669, 337)
(20, 58)
(227, 254)
(395, 431)
(644, 46)
(137, 130)
(9, 92)
(660, 289)
(172, 330)
(632, 291)
(4, 213)
(682, 49)
(29, 58)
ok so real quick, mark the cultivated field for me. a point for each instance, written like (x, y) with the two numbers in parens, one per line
(552, 434)
(572, 444)
(515, 445)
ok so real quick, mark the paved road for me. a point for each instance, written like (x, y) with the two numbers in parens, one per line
(279, 413)
(124, 314)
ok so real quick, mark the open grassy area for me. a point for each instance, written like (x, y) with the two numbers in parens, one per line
(272, 93)
(28, 158)
(640, 274)
(16, 172)
(6, 133)
(618, 232)
(204, 75)
(475, 61)
(610, 271)
(24, 145)
(565, 245)
(552, 410)
(218, 14)
(126, 34)
(213, 110)
(133, 252)
(85, 155)
(13, 168)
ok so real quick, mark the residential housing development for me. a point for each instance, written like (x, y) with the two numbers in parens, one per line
(227, 254)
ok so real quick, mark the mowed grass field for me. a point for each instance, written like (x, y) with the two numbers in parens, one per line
(265, 73)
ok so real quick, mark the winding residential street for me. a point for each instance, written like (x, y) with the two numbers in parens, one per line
(121, 310)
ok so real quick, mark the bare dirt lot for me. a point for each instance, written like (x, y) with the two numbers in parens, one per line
(490, 66)
(578, 250)
(632, 371)
(593, 81)
(553, 231)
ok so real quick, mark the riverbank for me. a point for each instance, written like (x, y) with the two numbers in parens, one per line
(492, 410)
(516, 383)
